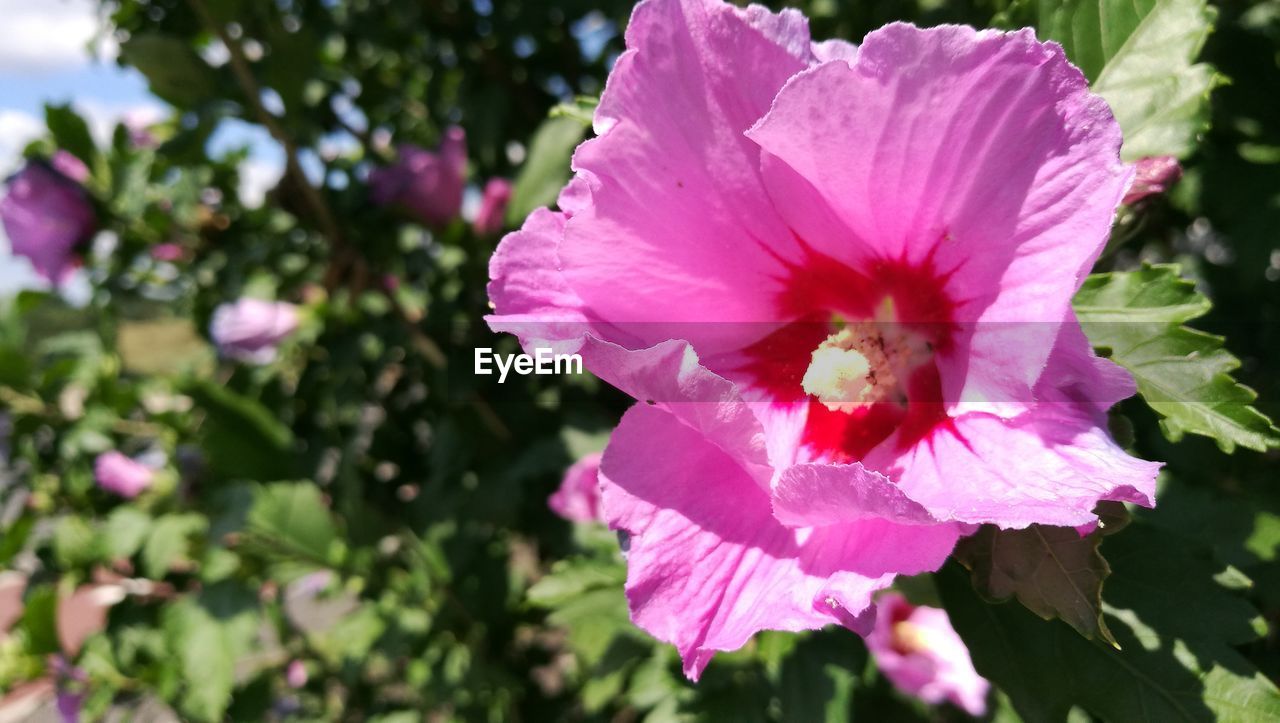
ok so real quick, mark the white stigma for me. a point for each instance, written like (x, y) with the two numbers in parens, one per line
(858, 366)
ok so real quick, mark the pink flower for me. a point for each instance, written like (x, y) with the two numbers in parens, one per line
(47, 215)
(493, 207)
(1154, 175)
(170, 252)
(296, 674)
(919, 652)
(578, 499)
(250, 330)
(120, 475)
(70, 166)
(427, 186)
(838, 280)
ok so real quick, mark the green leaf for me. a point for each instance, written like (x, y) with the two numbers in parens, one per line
(1182, 373)
(1140, 56)
(290, 522)
(1175, 624)
(70, 132)
(173, 69)
(569, 579)
(75, 544)
(207, 637)
(819, 677)
(242, 438)
(169, 543)
(546, 170)
(125, 531)
(1053, 571)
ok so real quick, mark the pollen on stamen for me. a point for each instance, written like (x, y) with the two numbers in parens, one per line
(856, 367)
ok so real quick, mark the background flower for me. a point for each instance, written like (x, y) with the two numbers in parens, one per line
(47, 215)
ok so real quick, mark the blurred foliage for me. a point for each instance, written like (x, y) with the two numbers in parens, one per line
(378, 514)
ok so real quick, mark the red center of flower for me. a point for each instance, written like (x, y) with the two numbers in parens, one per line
(861, 353)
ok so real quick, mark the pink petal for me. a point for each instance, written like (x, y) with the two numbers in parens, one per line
(1049, 466)
(809, 495)
(116, 473)
(46, 217)
(578, 498)
(709, 566)
(675, 187)
(934, 665)
(981, 154)
(250, 330)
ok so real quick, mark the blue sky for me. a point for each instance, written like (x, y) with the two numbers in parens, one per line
(45, 57)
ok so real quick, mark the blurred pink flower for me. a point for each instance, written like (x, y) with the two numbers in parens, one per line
(426, 185)
(250, 330)
(1154, 175)
(296, 674)
(47, 215)
(919, 652)
(12, 587)
(70, 166)
(138, 124)
(170, 252)
(578, 499)
(493, 207)
(839, 282)
(121, 475)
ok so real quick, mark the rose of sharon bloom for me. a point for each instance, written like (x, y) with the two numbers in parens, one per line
(493, 206)
(1154, 175)
(578, 499)
(250, 330)
(919, 652)
(47, 214)
(428, 186)
(170, 252)
(838, 281)
(121, 475)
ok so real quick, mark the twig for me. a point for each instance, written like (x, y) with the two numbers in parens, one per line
(345, 256)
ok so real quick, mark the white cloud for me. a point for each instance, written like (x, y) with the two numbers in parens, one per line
(44, 35)
(256, 178)
(17, 129)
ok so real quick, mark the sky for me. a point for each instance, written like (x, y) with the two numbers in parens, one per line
(45, 56)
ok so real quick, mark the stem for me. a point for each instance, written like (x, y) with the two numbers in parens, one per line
(345, 255)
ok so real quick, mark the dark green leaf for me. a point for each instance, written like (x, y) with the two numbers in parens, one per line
(1054, 571)
(1140, 56)
(70, 132)
(1176, 626)
(174, 70)
(546, 169)
(1182, 373)
(242, 438)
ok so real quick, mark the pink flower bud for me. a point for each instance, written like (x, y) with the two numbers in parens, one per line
(250, 330)
(919, 652)
(493, 207)
(47, 215)
(296, 674)
(578, 499)
(1156, 175)
(120, 475)
(424, 184)
(170, 252)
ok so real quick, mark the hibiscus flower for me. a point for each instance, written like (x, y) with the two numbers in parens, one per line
(838, 282)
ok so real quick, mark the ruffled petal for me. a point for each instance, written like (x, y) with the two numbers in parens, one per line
(709, 566)
(978, 155)
(1050, 466)
(678, 216)
(810, 495)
